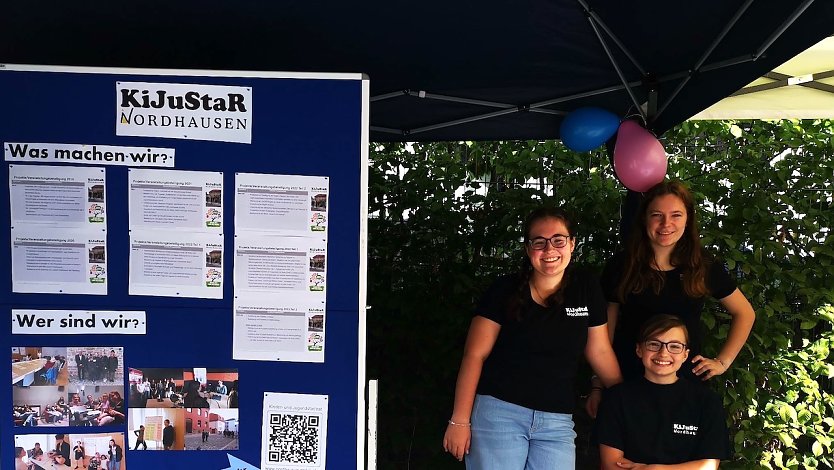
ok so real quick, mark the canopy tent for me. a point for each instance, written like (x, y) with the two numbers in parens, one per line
(444, 70)
(801, 88)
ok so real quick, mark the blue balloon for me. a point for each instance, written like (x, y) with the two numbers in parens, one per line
(587, 128)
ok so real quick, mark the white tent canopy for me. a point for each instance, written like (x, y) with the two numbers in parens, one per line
(801, 88)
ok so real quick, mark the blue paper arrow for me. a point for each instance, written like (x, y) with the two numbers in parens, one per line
(237, 464)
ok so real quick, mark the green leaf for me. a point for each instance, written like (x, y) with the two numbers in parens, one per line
(807, 324)
(816, 448)
(786, 439)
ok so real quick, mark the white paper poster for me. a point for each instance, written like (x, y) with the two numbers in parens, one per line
(278, 330)
(281, 204)
(283, 266)
(176, 200)
(64, 262)
(169, 264)
(57, 196)
(280, 267)
(294, 433)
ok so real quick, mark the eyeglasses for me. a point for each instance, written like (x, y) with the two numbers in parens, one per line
(674, 347)
(556, 241)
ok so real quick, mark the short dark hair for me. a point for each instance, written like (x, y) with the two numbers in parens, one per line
(661, 324)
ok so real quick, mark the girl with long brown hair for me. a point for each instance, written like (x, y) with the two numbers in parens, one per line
(665, 270)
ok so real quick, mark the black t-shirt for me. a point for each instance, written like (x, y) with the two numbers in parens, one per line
(119, 407)
(64, 450)
(672, 300)
(534, 360)
(663, 424)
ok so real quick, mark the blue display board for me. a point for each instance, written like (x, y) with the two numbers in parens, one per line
(297, 124)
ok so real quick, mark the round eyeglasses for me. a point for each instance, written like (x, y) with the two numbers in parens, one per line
(556, 241)
(674, 347)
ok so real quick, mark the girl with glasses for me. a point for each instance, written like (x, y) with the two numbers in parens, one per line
(665, 269)
(515, 389)
(659, 419)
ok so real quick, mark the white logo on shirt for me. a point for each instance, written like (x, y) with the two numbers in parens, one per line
(688, 429)
(576, 311)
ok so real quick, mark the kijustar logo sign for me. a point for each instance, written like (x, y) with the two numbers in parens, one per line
(184, 111)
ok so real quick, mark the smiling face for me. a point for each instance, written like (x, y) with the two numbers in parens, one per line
(549, 262)
(665, 220)
(661, 366)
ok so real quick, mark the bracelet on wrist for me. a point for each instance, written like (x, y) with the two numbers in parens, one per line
(459, 424)
(722, 363)
(596, 388)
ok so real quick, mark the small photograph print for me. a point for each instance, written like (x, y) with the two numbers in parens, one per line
(156, 428)
(210, 388)
(40, 406)
(211, 429)
(35, 366)
(100, 451)
(96, 254)
(317, 264)
(214, 198)
(214, 259)
(155, 387)
(99, 405)
(95, 193)
(96, 365)
(197, 387)
(316, 323)
(318, 202)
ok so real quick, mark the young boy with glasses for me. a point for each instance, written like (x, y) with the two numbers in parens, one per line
(659, 420)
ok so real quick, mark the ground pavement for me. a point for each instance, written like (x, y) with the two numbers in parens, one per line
(215, 442)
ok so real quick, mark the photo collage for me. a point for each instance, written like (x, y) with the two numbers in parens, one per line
(84, 387)
(68, 386)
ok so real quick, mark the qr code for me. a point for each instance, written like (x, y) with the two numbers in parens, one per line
(293, 438)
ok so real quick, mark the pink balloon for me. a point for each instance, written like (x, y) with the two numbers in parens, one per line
(639, 158)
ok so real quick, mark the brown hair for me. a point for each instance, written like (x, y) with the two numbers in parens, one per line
(687, 254)
(517, 304)
(660, 324)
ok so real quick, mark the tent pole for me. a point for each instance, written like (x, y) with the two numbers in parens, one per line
(773, 37)
(810, 83)
(387, 96)
(727, 63)
(616, 66)
(782, 80)
(387, 130)
(595, 17)
(704, 57)
(464, 120)
(522, 108)
(456, 99)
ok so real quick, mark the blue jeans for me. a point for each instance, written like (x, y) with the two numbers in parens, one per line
(511, 437)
